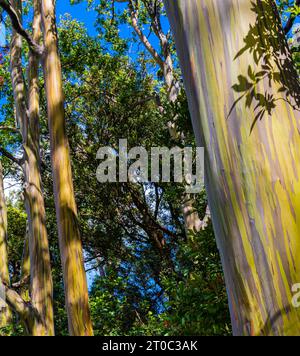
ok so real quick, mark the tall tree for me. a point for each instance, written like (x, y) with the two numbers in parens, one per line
(153, 10)
(76, 291)
(244, 99)
(27, 113)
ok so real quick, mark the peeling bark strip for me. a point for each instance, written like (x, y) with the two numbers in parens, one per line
(76, 291)
(243, 95)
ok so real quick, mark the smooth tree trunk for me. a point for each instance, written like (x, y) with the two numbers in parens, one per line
(27, 112)
(40, 266)
(5, 313)
(243, 95)
(75, 282)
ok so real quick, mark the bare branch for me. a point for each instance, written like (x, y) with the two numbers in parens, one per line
(17, 25)
(10, 156)
(143, 38)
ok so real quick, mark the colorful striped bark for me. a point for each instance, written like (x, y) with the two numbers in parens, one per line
(40, 269)
(40, 265)
(243, 95)
(27, 113)
(75, 283)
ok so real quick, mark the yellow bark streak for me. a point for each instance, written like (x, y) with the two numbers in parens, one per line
(5, 313)
(243, 95)
(40, 266)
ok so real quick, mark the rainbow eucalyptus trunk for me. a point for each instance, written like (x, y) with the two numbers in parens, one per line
(41, 289)
(76, 291)
(5, 314)
(243, 94)
(40, 266)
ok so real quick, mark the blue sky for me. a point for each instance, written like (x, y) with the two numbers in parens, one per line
(88, 17)
(81, 13)
(78, 12)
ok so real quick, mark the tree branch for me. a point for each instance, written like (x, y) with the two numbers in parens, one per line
(10, 156)
(288, 26)
(23, 282)
(17, 25)
(17, 303)
(10, 128)
(141, 35)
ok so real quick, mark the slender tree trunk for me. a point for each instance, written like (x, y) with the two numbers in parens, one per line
(40, 266)
(25, 269)
(41, 288)
(192, 222)
(5, 313)
(76, 291)
(243, 93)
